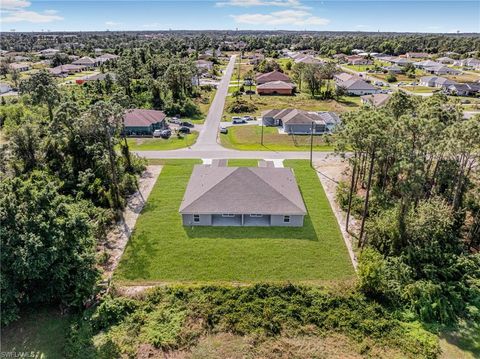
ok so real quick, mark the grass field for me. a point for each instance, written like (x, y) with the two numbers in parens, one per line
(248, 138)
(301, 101)
(419, 89)
(162, 250)
(39, 330)
(157, 144)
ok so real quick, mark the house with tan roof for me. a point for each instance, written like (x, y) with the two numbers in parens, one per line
(143, 122)
(357, 86)
(375, 100)
(276, 88)
(86, 61)
(242, 196)
(272, 76)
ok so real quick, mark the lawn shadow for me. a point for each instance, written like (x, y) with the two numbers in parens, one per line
(307, 232)
(466, 337)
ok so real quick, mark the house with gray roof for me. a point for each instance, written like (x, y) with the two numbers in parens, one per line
(375, 100)
(299, 122)
(242, 196)
(441, 70)
(434, 81)
(143, 122)
(86, 61)
(394, 69)
(357, 86)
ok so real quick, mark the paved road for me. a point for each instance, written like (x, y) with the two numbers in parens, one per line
(207, 140)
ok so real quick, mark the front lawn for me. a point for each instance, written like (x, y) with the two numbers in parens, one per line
(162, 250)
(248, 138)
(419, 89)
(158, 144)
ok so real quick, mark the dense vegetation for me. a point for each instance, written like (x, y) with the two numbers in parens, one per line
(415, 184)
(176, 318)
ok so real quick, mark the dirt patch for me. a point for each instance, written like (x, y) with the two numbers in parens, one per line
(331, 171)
(117, 238)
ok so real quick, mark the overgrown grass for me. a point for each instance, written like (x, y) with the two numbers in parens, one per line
(248, 138)
(162, 250)
(40, 330)
(158, 144)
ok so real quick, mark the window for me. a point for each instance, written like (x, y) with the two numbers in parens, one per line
(256, 215)
(196, 218)
(228, 215)
(286, 219)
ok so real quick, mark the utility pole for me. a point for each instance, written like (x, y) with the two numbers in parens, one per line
(311, 145)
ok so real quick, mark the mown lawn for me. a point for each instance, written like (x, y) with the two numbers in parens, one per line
(162, 250)
(301, 101)
(158, 144)
(419, 89)
(248, 138)
(40, 330)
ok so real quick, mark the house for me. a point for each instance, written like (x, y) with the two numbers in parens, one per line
(64, 70)
(340, 57)
(343, 76)
(204, 65)
(4, 88)
(308, 59)
(445, 60)
(272, 76)
(97, 77)
(394, 69)
(357, 86)
(425, 64)
(375, 100)
(295, 121)
(416, 55)
(400, 61)
(256, 58)
(462, 89)
(276, 88)
(48, 52)
(242, 196)
(434, 81)
(20, 67)
(441, 70)
(106, 58)
(470, 63)
(86, 61)
(143, 122)
(358, 60)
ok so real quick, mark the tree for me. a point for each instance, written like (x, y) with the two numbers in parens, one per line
(313, 78)
(42, 90)
(15, 77)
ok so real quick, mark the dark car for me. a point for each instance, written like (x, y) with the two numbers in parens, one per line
(184, 129)
(186, 124)
(165, 134)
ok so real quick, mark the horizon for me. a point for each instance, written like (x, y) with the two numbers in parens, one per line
(423, 17)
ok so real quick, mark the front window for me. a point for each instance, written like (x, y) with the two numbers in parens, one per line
(196, 218)
(228, 215)
(256, 215)
(286, 219)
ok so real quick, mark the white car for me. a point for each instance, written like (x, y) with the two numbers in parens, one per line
(238, 120)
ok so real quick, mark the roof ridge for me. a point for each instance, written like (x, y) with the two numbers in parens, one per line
(281, 194)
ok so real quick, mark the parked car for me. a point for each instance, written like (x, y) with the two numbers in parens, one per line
(186, 124)
(223, 130)
(174, 120)
(248, 118)
(184, 129)
(165, 133)
(157, 133)
(238, 120)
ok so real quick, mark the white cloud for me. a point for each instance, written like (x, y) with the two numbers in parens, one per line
(17, 11)
(249, 3)
(113, 23)
(284, 17)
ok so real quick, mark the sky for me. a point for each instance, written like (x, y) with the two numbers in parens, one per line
(335, 15)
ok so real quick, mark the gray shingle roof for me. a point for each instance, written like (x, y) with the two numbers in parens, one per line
(142, 118)
(356, 83)
(242, 190)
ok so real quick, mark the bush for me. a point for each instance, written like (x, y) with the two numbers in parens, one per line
(391, 78)
(241, 107)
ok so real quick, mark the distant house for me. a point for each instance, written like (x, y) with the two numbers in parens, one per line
(358, 60)
(375, 100)
(272, 76)
(425, 64)
(340, 57)
(86, 61)
(295, 121)
(470, 63)
(343, 76)
(416, 55)
(256, 58)
(441, 70)
(4, 88)
(445, 60)
(276, 88)
(462, 89)
(48, 52)
(357, 86)
(394, 69)
(400, 61)
(204, 65)
(143, 122)
(106, 58)
(64, 70)
(435, 81)
(20, 67)
(242, 196)
(308, 59)
(98, 77)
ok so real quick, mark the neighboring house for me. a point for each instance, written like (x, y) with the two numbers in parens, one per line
(434, 81)
(445, 60)
(462, 89)
(256, 58)
(295, 121)
(470, 63)
(64, 70)
(143, 122)
(425, 64)
(375, 100)
(357, 86)
(276, 88)
(394, 69)
(4, 88)
(204, 65)
(343, 76)
(400, 61)
(340, 57)
(242, 196)
(416, 55)
(358, 60)
(441, 70)
(48, 52)
(106, 58)
(20, 67)
(86, 61)
(99, 77)
(308, 59)
(272, 76)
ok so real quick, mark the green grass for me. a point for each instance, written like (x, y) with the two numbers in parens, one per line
(419, 89)
(39, 330)
(461, 342)
(162, 250)
(159, 144)
(243, 163)
(248, 138)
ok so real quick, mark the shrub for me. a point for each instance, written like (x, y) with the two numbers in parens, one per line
(391, 78)
(241, 107)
